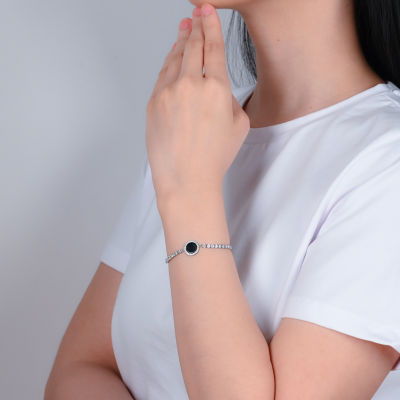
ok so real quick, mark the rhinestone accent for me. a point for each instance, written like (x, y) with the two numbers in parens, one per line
(192, 247)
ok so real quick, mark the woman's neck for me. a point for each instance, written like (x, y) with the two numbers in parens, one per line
(307, 57)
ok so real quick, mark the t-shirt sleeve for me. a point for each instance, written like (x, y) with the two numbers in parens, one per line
(349, 280)
(119, 246)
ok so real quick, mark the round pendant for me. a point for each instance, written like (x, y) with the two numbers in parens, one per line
(191, 248)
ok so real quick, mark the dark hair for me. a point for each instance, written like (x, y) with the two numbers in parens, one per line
(378, 28)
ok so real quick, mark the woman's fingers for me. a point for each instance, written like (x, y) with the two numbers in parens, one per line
(192, 62)
(200, 44)
(214, 46)
(173, 60)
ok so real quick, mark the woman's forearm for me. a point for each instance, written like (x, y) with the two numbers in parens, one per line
(222, 351)
(82, 381)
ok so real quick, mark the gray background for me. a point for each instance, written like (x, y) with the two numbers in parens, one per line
(74, 83)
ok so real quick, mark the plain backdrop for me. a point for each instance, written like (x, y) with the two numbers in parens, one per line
(75, 78)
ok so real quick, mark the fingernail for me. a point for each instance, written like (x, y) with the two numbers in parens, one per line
(197, 12)
(207, 9)
(184, 24)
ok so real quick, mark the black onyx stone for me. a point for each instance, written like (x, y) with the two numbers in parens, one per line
(191, 247)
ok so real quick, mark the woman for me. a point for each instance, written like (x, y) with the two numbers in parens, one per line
(257, 257)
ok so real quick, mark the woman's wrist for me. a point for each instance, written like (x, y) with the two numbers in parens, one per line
(194, 217)
(189, 201)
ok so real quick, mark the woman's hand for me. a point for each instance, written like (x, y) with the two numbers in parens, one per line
(195, 127)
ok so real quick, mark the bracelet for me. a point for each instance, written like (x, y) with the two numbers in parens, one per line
(192, 247)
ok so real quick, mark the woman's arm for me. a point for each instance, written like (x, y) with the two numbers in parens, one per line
(84, 380)
(85, 366)
(222, 351)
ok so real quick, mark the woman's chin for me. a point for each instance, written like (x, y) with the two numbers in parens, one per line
(218, 4)
(198, 3)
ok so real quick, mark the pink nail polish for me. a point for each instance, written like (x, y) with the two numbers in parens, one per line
(207, 10)
(185, 24)
(197, 12)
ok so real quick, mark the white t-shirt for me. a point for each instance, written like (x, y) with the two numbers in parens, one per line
(313, 209)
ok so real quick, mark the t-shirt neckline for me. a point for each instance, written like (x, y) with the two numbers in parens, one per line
(266, 133)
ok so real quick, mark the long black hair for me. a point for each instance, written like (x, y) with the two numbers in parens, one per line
(378, 29)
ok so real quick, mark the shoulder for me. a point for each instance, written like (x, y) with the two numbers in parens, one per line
(374, 115)
(371, 140)
(376, 164)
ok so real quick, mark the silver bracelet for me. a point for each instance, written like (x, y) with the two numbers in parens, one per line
(192, 247)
